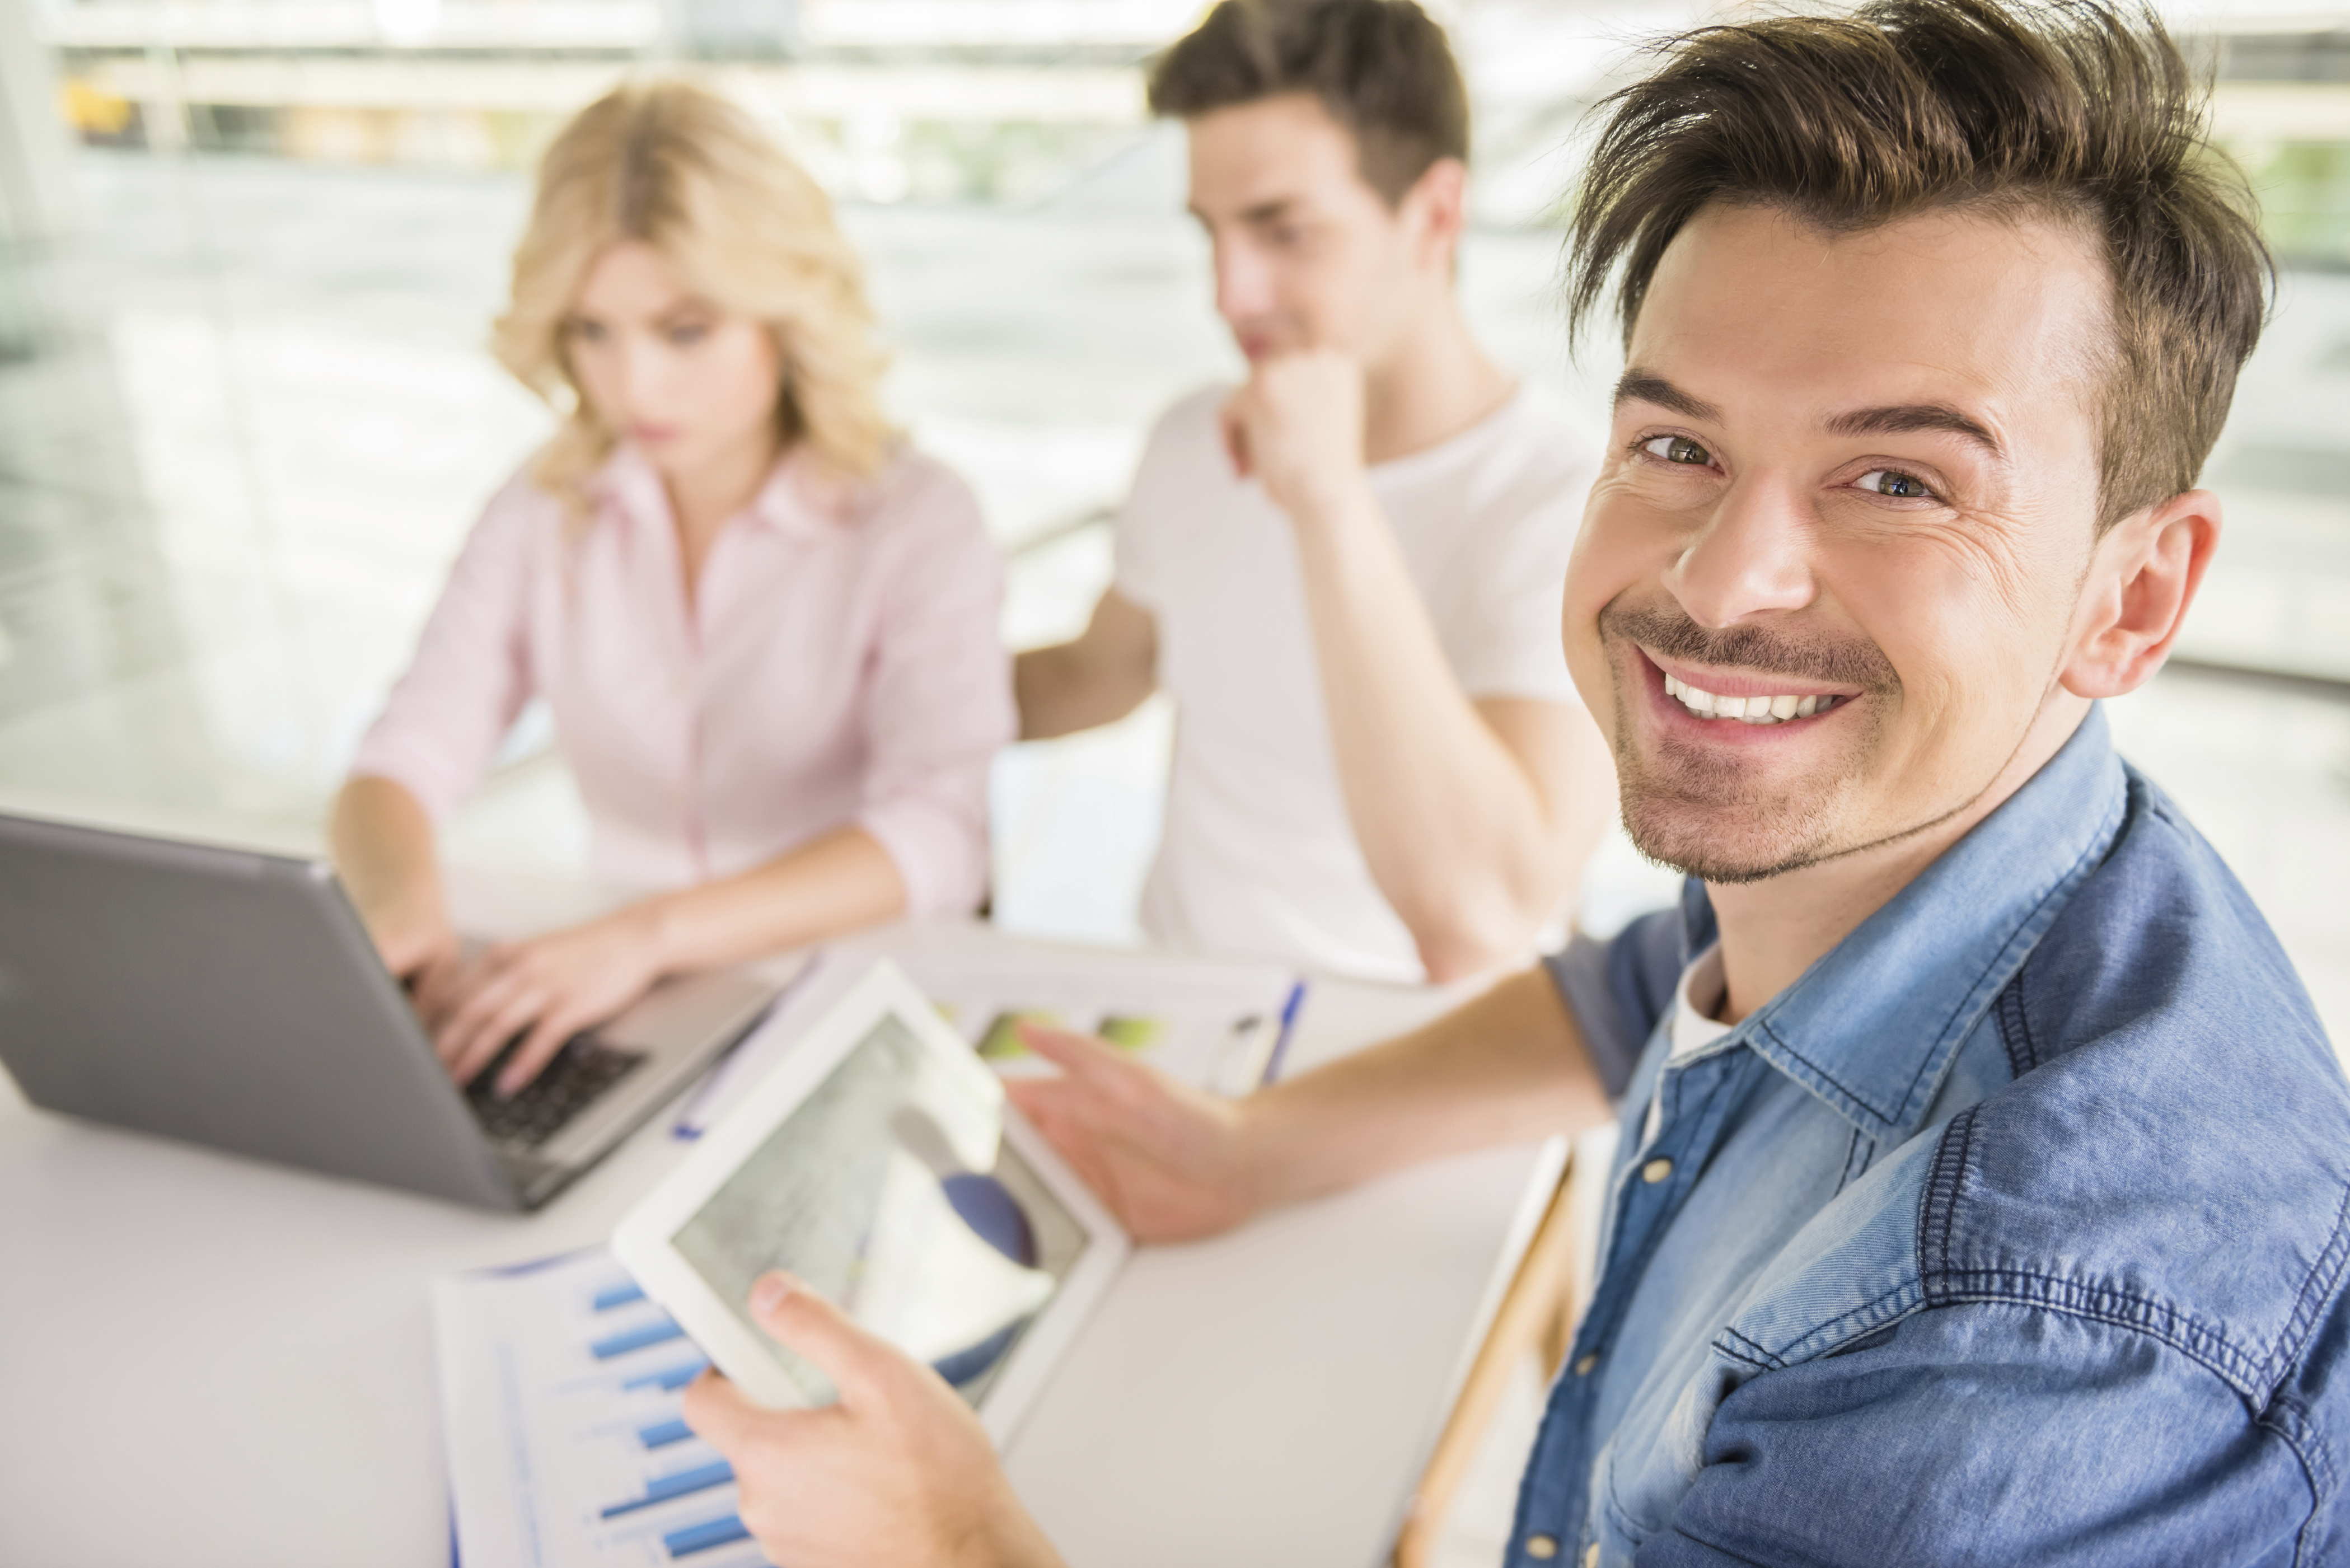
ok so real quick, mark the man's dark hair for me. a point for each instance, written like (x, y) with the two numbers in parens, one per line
(1380, 67)
(2066, 109)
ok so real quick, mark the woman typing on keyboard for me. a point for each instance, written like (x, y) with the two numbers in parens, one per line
(764, 627)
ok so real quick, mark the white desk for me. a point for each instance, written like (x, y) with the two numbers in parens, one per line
(204, 1360)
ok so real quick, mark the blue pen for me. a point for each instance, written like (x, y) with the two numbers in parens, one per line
(1281, 1042)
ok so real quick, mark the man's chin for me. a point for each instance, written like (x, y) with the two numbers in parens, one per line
(1727, 844)
(1728, 815)
(1709, 861)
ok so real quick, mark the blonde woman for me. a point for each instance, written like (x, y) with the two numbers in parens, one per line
(767, 630)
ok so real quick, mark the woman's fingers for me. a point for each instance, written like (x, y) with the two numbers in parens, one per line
(503, 1007)
(435, 985)
(537, 995)
(547, 1036)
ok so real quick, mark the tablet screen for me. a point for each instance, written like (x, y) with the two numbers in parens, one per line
(891, 1190)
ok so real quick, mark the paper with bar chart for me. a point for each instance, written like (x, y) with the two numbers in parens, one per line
(559, 1389)
(1213, 1022)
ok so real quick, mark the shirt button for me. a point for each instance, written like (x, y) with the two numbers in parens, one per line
(1583, 1367)
(1655, 1170)
(1541, 1547)
(1591, 1555)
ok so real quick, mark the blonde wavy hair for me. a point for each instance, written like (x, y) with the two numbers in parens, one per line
(682, 170)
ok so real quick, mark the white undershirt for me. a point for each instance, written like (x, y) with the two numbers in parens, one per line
(1696, 999)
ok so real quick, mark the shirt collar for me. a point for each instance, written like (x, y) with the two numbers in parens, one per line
(795, 500)
(1871, 1028)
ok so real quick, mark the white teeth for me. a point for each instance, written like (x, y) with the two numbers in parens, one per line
(1697, 701)
(1749, 710)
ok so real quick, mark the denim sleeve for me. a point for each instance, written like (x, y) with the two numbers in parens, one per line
(1993, 1433)
(1618, 989)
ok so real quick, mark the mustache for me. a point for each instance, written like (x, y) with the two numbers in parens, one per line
(1837, 661)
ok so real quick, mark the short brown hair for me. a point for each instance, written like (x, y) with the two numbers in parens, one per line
(1381, 68)
(2066, 109)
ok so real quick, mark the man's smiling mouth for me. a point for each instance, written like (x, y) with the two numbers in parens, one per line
(1757, 710)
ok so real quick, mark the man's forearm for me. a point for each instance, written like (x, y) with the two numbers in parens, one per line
(1508, 1067)
(1099, 679)
(1452, 824)
(1054, 696)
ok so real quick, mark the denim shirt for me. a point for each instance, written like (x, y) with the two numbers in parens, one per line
(2013, 1232)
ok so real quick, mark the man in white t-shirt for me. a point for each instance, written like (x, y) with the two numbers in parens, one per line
(1346, 571)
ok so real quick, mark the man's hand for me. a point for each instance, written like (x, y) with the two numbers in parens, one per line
(554, 986)
(1169, 1161)
(899, 1471)
(1297, 427)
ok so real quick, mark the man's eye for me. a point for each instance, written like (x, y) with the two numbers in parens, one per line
(1894, 482)
(1677, 448)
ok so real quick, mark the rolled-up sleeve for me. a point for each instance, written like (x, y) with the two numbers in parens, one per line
(1618, 989)
(939, 700)
(471, 672)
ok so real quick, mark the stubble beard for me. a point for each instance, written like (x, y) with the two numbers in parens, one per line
(1693, 810)
(1694, 814)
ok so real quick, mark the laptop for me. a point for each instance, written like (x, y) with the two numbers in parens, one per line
(233, 999)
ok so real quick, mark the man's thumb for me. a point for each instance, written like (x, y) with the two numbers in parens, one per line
(803, 1322)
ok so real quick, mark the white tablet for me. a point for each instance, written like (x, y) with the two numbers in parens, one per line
(879, 1162)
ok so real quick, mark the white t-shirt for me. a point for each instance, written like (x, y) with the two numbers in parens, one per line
(1258, 856)
(1696, 1000)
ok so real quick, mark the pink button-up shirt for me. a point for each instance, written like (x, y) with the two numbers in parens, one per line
(841, 663)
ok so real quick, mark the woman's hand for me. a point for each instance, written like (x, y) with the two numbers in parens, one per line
(899, 1471)
(552, 986)
(382, 842)
(1170, 1161)
(414, 937)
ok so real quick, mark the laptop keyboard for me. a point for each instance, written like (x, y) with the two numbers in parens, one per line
(578, 1076)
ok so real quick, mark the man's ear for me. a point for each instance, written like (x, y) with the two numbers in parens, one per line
(2141, 579)
(1437, 206)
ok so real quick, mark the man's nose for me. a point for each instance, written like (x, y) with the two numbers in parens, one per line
(1244, 284)
(1752, 556)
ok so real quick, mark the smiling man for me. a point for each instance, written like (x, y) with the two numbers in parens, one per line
(1984, 1184)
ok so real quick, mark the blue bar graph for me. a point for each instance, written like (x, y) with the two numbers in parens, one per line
(619, 1295)
(696, 1538)
(682, 1483)
(669, 1380)
(635, 1339)
(660, 1434)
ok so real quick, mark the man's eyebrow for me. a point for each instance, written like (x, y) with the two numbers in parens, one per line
(1901, 418)
(1271, 212)
(1647, 387)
